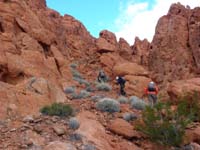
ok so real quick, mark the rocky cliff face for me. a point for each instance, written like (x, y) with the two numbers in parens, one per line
(174, 51)
(38, 45)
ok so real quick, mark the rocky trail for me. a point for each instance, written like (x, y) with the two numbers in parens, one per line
(47, 58)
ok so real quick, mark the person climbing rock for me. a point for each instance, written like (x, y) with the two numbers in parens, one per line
(151, 91)
(121, 81)
(102, 76)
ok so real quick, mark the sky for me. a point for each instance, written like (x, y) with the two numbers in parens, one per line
(125, 18)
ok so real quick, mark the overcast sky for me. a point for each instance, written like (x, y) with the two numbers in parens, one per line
(125, 18)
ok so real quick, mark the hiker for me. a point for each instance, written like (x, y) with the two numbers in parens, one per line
(152, 90)
(102, 76)
(121, 81)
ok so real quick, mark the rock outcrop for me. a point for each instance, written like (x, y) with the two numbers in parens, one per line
(180, 88)
(140, 51)
(174, 51)
(36, 42)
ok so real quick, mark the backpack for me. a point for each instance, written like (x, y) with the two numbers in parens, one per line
(102, 74)
(151, 87)
(121, 80)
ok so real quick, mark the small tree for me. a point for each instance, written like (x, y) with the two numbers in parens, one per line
(163, 125)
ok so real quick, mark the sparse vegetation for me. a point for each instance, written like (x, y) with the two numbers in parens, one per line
(129, 117)
(97, 97)
(103, 86)
(57, 109)
(74, 123)
(75, 137)
(122, 100)
(69, 90)
(82, 94)
(108, 105)
(166, 126)
(89, 147)
(137, 103)
(77, 75)
(73, 65)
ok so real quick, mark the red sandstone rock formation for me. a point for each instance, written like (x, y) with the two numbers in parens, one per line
(174, 51)
(140, 50)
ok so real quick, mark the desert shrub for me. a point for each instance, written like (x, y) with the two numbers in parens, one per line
(97, 97)
(73, 123)
(75, 137)
(81, 81)
(163, 125)
(57, 109)
(82, 94)
(103, 86)
(108, 105)
(73, 65)
(137, 103)
(85, 82)
(89, 88)
(122, 100)
(129, 117)
(75, 96)
(69, 90)
(76, 74)
(89, 147)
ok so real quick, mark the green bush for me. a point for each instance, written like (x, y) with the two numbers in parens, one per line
(192, 106)
(163, 125)
(57, 109)
(103, 86)
(108, 105)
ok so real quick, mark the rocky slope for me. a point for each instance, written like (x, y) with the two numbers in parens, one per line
(38, 46)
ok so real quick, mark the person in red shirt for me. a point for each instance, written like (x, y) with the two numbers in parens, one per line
(151, 91)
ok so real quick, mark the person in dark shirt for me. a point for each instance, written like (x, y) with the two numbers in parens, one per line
(102, 77)
(121, 81)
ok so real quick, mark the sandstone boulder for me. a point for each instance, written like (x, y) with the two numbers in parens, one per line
(182, 88)
(109, 37)
(28, 97)
(121, 127)
(135, 85)
(103, 46)
(94, 132)
(129, 69)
